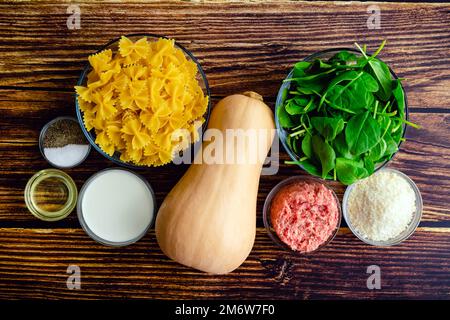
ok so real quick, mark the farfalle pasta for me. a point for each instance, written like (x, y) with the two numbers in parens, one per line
(144, 102)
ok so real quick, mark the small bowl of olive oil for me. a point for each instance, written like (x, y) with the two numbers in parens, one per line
(51, 195)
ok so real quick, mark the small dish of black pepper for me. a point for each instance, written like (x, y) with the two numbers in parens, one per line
(63, 144)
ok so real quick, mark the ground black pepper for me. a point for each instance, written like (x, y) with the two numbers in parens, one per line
(63, 132)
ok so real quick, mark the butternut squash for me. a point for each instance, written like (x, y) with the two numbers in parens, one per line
(208, 220)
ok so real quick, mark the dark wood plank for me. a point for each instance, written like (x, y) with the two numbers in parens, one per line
(241, 45)
(33, 264)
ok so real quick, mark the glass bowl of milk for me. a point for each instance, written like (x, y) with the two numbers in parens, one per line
(116, 207)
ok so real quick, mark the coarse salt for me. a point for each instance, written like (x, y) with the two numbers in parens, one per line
(382, 206)
(66, 156)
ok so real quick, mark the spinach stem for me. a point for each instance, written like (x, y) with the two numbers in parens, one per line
(296, 133)
(375, 110)
(303, 123)
(394, 129)
(310, 77)
(297, 127)
(386, 106)
(387, 128)
(333, 105)
(362, 51)
(416, 126)
(342, 90)
(347, 66)
(391, 114)
(379, 49)
(308, 106)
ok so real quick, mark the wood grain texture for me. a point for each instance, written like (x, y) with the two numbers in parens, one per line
(241, 46)
(33, 263)
(245, 45)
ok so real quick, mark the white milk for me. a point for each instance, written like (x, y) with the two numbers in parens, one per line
(117, 205)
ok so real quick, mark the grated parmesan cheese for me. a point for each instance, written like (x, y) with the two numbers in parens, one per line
(381, 206)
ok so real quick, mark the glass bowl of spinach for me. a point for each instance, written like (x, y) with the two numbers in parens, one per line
(342, 114)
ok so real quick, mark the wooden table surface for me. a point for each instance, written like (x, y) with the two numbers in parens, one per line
(241, 46)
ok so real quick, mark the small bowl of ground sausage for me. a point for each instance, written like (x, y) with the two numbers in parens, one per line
(302, 214)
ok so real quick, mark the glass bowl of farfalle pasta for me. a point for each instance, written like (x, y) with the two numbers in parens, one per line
(143, 100)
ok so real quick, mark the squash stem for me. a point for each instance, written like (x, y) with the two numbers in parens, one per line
(254, 95)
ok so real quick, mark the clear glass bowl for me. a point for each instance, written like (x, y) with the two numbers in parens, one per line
(91, 233)
(402, 236)
(41, 143)
(113, 45)
(268, 204)
(325, 54)
(50, 195)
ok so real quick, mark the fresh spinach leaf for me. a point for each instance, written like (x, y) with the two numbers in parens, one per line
(362, 133)
(310, 167)
(379, 70)
(338, 98)
(328, 127)
(361, 98)
(302, 101)
(399, 97)
(341, 147)
(307, 146)
(369, 165)
(325, 153)
(294, 144)
(354, 98)
(319, 66)
(356, 94)
(311, 77)
(349, 76)
(284, 94)
(382, 73)
(300, 68)
(309, 87)
(368, 82)
(292, 108)
(391, 145)
(378, 151)
(284, 118)
(343, 58)
(350, 171)
(297, 105)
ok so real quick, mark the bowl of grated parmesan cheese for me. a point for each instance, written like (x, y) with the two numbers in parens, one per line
(383, 209)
